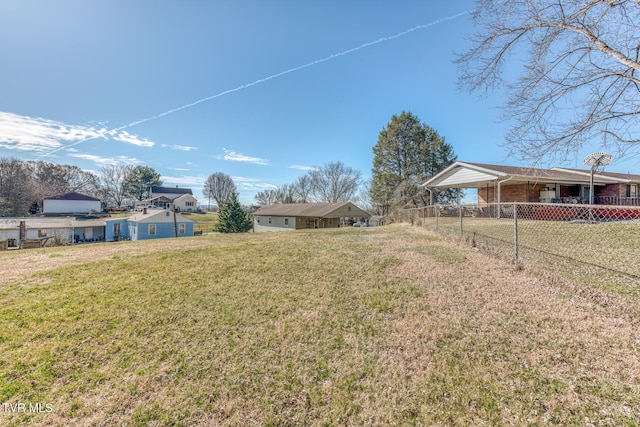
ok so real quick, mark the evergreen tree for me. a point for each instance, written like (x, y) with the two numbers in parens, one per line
(407, 153)
(232, 218)
(140, 180)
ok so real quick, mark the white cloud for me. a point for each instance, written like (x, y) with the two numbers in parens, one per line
(245, 183)
(232, 156)
(125, 136)
(179, 147)
(25, 133)
(303, 168)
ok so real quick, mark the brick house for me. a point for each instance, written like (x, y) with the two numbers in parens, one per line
(503, 184)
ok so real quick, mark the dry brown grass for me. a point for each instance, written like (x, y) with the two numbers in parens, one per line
(379, 326)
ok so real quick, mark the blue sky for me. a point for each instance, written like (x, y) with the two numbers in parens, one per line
(259, 90)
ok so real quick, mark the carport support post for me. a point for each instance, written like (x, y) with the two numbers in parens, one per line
(460, 215)
(515, 232)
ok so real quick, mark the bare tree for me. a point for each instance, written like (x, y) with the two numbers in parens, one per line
(16, 188)
(52, 179)
(219, 186)
(266, 197)
(303, 189)
(580, 82)
(286, 194)
(113, 179)
(334, 182)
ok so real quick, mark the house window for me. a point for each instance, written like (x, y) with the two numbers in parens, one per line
(269, 220)
(152, 229)
(181, 229)
(42, 232)
(286, 222)
(116, 229)
(632, 190)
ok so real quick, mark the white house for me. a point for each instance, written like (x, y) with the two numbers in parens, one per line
(71, 203)
(167, 197)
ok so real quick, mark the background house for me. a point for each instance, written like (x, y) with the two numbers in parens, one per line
(16, 231)
(296, 216)
(148, 224)
(503, 184)
(167, 197)
(70, 203)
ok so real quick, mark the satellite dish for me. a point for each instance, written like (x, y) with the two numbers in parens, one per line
(597, 161)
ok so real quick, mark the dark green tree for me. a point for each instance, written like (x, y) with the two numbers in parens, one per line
(140, 180)
(232, 218)
(407, 153)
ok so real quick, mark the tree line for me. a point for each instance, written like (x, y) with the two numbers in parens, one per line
(334, 182)
(23, 184)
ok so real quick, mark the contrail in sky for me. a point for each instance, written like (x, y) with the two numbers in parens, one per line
(273, 76)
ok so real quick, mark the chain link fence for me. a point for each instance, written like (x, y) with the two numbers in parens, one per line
(596, 243)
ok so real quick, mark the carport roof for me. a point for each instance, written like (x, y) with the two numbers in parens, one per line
(476, 175)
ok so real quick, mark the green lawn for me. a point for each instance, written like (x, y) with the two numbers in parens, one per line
(594, 252)
(381, 326)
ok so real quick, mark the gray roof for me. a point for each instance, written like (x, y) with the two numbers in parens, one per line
(170, 190)
(72, 196)
(311, 210)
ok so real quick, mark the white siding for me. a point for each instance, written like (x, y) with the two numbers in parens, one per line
(461, 176)
(277, 223)
(70, 206)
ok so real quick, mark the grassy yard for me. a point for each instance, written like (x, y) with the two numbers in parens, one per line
(204, 222)
(598, 250)
(375, 326)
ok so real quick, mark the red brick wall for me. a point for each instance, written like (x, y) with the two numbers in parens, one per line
(510, 193)
(611, 190)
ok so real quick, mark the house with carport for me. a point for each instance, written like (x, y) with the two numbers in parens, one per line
(36, 231)
(503, 184)
(300, 216)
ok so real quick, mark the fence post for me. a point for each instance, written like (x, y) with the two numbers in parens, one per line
(437, 211)
(515, 232)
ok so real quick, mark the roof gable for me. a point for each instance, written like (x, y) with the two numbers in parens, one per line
(157, 215)
(475, 175)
